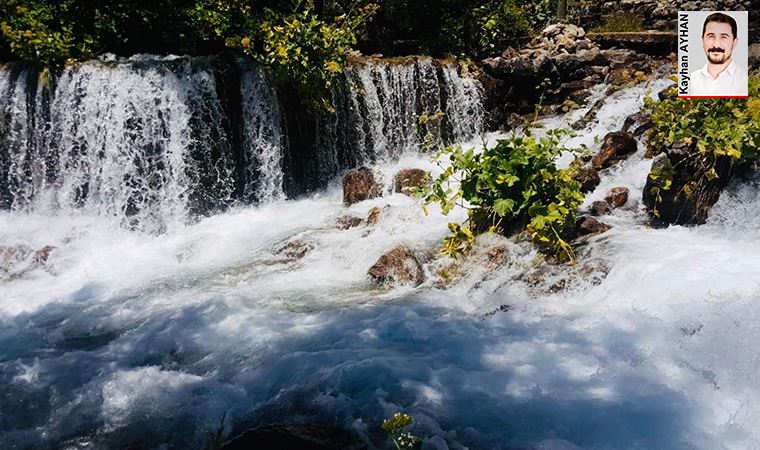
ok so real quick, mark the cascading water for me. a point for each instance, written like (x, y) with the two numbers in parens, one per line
(386, 109)
(152, 142)
(153, 341)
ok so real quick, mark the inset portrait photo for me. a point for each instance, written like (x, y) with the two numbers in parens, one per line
(712, 54)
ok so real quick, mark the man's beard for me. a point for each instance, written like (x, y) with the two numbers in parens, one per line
(719, 59)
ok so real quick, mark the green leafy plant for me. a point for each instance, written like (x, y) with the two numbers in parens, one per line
(35, 32)
(620, 22)
(714, 137)
(484, 29)
(512, 187)
(297, 47)
(395, 427)
(719, 127)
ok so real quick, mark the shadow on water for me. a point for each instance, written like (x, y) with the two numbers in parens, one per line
(110, 378)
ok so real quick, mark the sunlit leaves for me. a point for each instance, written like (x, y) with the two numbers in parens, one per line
(512, 185)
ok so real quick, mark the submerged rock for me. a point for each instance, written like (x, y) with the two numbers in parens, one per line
(600, 208)
(13, 255)
(617, 146)
(15, 260)
(346, 222)
(399, 266)
(373, 217)
(638, 123)
(407, 179)
(588, 226)
(588, 177)
(302, 437)
(294, 250)
(617, 197)
(359, 185)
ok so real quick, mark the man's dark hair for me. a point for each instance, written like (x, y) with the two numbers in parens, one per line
(720, 18)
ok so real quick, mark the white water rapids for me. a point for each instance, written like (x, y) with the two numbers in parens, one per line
(131, 338)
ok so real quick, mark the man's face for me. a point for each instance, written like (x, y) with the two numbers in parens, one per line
(718, 42)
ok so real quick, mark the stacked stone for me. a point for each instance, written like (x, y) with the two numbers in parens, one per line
(661, 14)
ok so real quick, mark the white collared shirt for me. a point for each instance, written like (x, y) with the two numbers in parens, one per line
(731, 82)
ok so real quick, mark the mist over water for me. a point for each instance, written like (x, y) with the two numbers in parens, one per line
(151, 325)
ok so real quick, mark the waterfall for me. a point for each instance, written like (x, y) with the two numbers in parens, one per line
(389, 107)
(154, 142)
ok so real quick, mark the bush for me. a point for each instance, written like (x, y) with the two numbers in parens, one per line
(707, 142)
(485, 29)
(509, 188)
(35, 32)
(719, 126)
(620, 22)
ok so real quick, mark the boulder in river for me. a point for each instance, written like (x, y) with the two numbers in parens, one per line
(373, 217)
(293, 250)
(616, 146)
(678, 190)
(359, 185)
(588, 226)
(397, 267)
(588, 177)
(346, 222)
(406, 180)
(600, 208)
(617, 197)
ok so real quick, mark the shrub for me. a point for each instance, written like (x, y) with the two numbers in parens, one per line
(485, 29)
(35, 32)
(713, 140)
(620, 22)
(297, 47)
(720, 127)
(509, 188)
(395, 427)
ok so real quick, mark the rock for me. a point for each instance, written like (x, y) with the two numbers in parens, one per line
(567, 43)
(637, 123)
(552, 30)
(13, 255)
(616, 146)
(293, 250)
(41, 256)
(646, 42)
(360, 185)
(568, 63)
(691, 194)
(346, 222)
(302, 437)
(406, 180)
(397, 267)
(588, 226)
(617, 197)
(373, 217)
(600, 208)
(754, 55)
(588, 177)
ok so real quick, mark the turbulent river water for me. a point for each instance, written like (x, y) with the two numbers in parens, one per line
(151, 325)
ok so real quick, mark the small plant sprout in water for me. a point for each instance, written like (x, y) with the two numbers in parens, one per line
(395, 428)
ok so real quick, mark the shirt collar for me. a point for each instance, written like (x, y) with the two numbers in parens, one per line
(729, 70)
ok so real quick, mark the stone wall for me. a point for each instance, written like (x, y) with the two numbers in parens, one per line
(661, 14)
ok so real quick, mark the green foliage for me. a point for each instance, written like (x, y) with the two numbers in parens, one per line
(719, 126)
(539, 12)
(36, 32)
(511, 187)
(712, 128)
(297, 46)
(484, 29)
(395, 427)
(620, 22)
